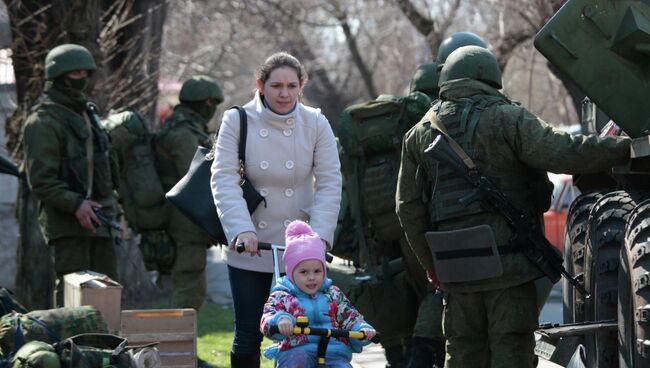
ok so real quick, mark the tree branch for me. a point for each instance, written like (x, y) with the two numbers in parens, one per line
(423, 24)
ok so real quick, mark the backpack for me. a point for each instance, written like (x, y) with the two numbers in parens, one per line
(49, 326)
(36, 354)
(95, 350)
(81, 351)
(371, 135)
(141, 191)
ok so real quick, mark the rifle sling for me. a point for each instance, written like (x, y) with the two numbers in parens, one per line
(433, 118)
(89, 156)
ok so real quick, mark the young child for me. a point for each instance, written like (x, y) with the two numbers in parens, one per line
(305, 291)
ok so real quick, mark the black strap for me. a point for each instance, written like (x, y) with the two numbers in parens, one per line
(19, 337)
(475, 252)
(243, 130)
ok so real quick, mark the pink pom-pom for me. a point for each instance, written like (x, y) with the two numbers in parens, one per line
(297, 228)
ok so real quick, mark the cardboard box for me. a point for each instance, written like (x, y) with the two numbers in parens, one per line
(174, 329)
(98, 290)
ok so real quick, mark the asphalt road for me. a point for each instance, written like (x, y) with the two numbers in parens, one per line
(372, 355)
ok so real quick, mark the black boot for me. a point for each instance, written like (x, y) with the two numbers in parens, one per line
(439, 353)
(244, 361)
(395, 357)
(203, 364)
(423, 353)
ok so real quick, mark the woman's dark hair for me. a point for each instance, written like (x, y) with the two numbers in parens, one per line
(279, 60)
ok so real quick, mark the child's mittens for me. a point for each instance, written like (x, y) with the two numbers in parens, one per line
(285, 325)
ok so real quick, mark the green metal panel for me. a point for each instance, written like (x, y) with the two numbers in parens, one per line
(604, 47)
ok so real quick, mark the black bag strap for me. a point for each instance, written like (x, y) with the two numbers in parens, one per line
(243, 131)
(19, 337)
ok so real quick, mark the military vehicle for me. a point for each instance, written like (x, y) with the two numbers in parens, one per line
(603, 46)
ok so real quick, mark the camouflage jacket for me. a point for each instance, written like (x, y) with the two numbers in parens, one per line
(175, 146)
(510, 145)
(54, 143)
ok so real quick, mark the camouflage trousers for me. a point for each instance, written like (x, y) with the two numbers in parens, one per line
(491, 329)
(75, 254)
(188, 276)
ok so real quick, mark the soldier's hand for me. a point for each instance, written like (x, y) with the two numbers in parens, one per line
(249, 239)
(86, 216)
(285, 325)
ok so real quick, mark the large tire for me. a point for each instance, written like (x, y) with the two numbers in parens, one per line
(606, 235)
(574, 248)
(634, 291)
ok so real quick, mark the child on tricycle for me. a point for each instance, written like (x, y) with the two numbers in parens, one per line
(306, 292)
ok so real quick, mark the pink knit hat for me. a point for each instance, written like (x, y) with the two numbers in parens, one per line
(301, 244)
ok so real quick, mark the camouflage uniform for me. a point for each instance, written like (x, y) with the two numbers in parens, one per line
(490, 322)
(176, 144)
(54, 142)
(427, 332)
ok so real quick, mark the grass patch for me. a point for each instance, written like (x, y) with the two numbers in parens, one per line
(215, 333)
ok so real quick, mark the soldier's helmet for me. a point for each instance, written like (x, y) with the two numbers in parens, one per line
(456, 40)
(473, 62)
(200, 88)
(425, 79)
(66, 58)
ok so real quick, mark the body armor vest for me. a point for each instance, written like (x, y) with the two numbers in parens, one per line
(460, 118)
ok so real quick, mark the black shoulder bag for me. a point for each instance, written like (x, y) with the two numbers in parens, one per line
(192, 195)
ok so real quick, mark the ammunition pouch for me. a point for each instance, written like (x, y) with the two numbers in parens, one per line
(465, 255)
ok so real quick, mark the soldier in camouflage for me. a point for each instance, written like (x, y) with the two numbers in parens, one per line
(488, 322)
(428, 340)
(70, 169)
(183, 132)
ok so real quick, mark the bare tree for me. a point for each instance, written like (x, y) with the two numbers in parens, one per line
(433, 29)
(349, 52)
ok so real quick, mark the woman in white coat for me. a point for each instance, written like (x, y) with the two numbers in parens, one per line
(292, 160)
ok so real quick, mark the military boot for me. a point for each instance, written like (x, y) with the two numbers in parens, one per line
(395, 357)
(203, 364)
(244, 361)
(423, 353)
(439, 353)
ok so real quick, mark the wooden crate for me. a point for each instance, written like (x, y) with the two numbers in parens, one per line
(175, 329)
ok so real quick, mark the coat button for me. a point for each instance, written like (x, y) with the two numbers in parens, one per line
(289, 164)
(286, 223)
(261, 224)
(288, 192)
(287, 132)
(264, 192)
(290, 121)
(264, 132)
(264, 165)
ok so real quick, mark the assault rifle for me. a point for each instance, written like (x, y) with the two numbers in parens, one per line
(107, 220)
(8, 167)
(530, 240)
(93, 113)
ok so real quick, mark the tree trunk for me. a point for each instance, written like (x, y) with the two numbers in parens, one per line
(35, 268)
